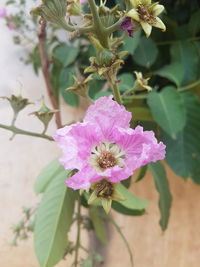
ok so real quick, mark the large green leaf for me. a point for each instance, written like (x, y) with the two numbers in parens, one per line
(127, 81)
(98, 224)
(142, 173)
(173, 72)
(168, 110)
(48, 173)
(131, 202)
(194, 23)
(66, 80)
(186, 54)
(123, 210)
(183, 152)
(165, 197)
(53, 221)
(130, 44)
(66, 54)
(146, 53)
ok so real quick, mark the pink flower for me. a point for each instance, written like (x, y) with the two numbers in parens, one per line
(83, 1)
(104, 145)
(3, 12)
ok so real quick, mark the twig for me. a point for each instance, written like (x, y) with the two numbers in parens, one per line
(77, 246)
(45, 70)
(16, 130)
(123, 237)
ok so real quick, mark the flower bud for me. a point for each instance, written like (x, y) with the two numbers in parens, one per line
(17, 102)
(51, 10)
(80, 87)
(44, 114)
(141, 83)
(106, 192)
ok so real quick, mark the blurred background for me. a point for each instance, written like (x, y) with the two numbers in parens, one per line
(22, 158)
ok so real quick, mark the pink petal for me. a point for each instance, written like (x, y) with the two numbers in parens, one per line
(76, 142)
(107, 112)
(82, 179)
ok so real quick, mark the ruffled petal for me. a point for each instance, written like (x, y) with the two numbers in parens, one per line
(108, 112)
(76, 142)
(141, 147)
(82, 179)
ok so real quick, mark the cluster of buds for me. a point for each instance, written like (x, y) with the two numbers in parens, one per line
(22, 229)
(106, 63)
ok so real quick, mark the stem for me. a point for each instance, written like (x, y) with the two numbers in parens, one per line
(99, 28)
(77, 246)
(14, 118)
(115, 90)
(45, 70)
(123, 238)
(185, 88)
(71, 28)
(115, 26)
(16, 130)
(135, 96)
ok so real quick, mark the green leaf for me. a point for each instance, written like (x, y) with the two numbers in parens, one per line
(98, 224)
(132, 202)
(121, 209)
(168, 110)
(183, 152)
(127, 81)
(48, 173)
(165, 197)
(100, 94)
(130, 44)
(142, 173)
(53, 221)
(194, 23)
(146, 53)
(94, 87)
(66, 54)
(173, 72)
(196, 175)
(66, 80)
(186, 54)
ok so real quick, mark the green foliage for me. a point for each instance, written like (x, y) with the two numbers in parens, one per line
(66, 54)
(66, 80)
(47, 174)
(131, 201)
(146, 53)
(130, 44)
(165, 197)
(126, 81)
(168, 110)
(142, 173)
(183, 152)
(98, 224)
(53, 221)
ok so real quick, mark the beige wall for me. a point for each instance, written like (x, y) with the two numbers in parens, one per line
(21, 160)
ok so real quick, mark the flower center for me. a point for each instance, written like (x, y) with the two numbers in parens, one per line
(145, 15)
(106, 160)
(106, 155)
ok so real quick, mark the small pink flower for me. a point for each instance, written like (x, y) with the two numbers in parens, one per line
(83, 1)
(104, 145)
(3, 12)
